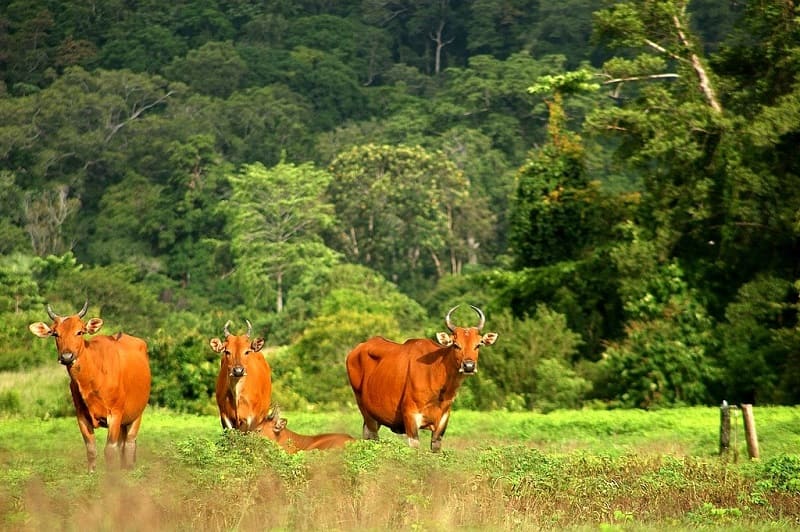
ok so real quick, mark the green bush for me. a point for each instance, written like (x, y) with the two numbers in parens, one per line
(184, 370)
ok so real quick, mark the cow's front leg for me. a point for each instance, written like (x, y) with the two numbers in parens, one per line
(227, 423)
(87, 431)
(438, 433)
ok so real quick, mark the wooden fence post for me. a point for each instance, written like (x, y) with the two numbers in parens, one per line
(724, 428)
(750, 431)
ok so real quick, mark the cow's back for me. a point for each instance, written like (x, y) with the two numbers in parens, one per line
(379, 373)
(258, 386)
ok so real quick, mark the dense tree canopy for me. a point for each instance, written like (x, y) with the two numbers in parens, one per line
(616, 184)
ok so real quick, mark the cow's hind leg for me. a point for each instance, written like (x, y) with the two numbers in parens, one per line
(128, 441)
(413, 422)
(371, 426)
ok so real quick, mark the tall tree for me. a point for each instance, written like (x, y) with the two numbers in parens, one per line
(275, 219)
(398, 211)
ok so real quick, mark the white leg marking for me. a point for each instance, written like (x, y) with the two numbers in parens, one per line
(443, 422)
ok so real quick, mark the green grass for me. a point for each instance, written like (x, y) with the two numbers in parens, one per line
(498, 471)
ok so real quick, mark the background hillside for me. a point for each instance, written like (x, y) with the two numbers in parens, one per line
(614, 183)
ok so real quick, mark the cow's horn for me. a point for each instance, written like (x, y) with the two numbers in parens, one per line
(249, 328)
(51, 312)
(447, 319)
(82, 311)
(482, 321)
(225, 329)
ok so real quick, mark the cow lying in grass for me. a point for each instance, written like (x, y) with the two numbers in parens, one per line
(274, 428)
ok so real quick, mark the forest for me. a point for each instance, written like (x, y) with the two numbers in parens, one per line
(613, 182)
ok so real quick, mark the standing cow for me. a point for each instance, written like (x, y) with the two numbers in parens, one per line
(109, 381)
(274, 428)
(411, 386)
(244, 383)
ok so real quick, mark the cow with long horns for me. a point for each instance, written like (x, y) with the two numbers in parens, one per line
(411, 386)
(244, 383)
(109, 381)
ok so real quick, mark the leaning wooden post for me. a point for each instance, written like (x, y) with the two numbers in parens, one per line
(724, 428)
(750, 431)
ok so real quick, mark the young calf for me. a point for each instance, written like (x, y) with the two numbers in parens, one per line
(274, 428)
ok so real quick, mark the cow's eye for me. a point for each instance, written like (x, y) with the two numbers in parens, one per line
(456, 346)
(79, 333)
(54, 334)
(227, 353)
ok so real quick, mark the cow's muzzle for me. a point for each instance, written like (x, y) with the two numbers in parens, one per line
(66, 358)
(238, 371)
(468, 367)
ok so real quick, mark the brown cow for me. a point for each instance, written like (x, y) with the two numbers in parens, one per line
(244, 383)
(274, 428)
(109, 381)
(411, 386)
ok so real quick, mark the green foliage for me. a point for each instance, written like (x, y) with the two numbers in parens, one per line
(521, 364)
(184, 371)
(759, 342)
(214, 69)
(315, 367)
(396, 210)
(346, 287)
(122, 122)
(275, 220)
(666, 357)
(782, 472)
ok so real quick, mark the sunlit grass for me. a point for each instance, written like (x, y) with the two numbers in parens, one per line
(498, 471)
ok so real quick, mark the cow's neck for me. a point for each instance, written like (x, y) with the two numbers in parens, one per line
(453, 377)
(84, 369)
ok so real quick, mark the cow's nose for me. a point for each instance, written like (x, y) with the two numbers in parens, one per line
(238, 371)
(66, 358)
(468, 366)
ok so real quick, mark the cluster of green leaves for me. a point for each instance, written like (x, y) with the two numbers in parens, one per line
(332, 171)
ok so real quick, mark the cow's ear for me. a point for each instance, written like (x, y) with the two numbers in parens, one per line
(489, 338)
(217, 345)
(257, 344)
(93, 325)
(40, 329)
(444, 339)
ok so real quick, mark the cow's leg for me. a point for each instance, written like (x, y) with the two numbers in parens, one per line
(371, 427)
(87, 431)
(128, 439)
(113, 450)
(413, 422)
(227, 423)
(438, 433)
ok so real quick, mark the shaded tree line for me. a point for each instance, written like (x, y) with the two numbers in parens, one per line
(614, 185)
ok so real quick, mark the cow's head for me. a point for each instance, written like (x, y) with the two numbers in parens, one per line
(68, 332)
(466, 341)
(236, 350)
(274, 421)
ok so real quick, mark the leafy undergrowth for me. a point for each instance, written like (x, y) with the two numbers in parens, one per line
(192, 475)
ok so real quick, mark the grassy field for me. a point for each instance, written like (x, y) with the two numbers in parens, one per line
(498, 471)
